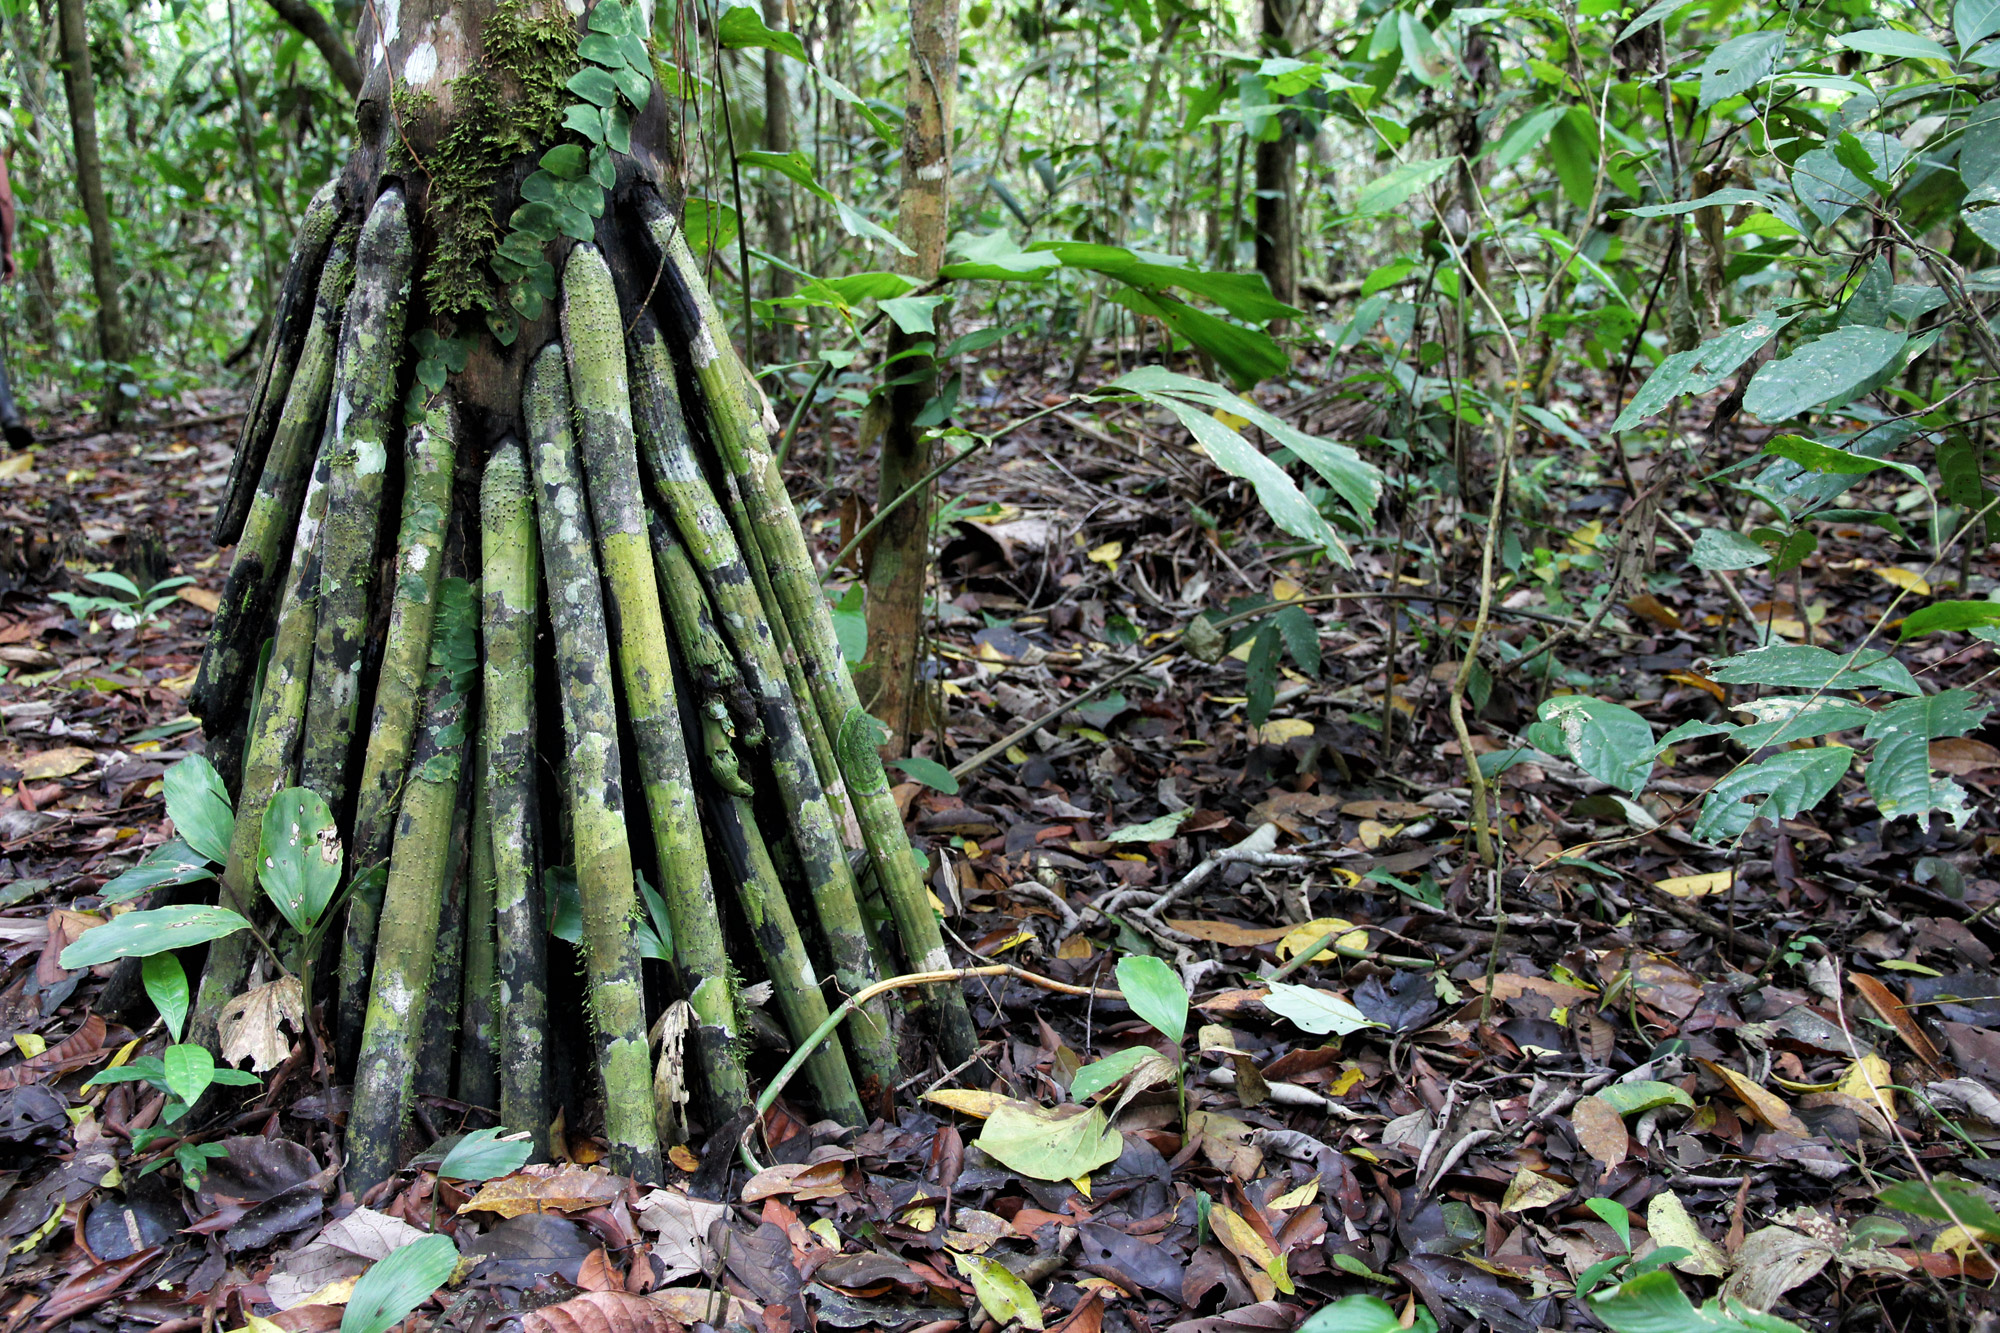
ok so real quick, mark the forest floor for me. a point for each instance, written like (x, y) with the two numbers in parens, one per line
(1739, 1048)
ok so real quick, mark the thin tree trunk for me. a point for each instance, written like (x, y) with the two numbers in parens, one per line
(82, 91)
(899, 569)
(1277, 207)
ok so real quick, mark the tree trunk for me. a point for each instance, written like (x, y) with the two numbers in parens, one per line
(316, 28)
(82, 91)
(1277, 210)
(899, 569)
(523, 364)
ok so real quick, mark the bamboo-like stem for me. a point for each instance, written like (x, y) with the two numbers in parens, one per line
(431, 453)
(444, 1035)
(593, 772)
(269, 760)
(365, 414)
(407, 944)
(746, 622)
(794, 984)
(272, 513)
(508, 552)
(593, 337)
(742, 436)
(295, 312)
(478, 1076)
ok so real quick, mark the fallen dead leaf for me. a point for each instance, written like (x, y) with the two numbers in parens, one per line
(1765, 1105)
(1771, 1262)
(201, 597)
(1386, 810)
(1228, 933)
(606, 1312)
(1884, 1002)
(1696, 886)
(1960, 755)
(546, 1189)
(57, 763)
(1601, 1131)
(1670, 1226)
(249, 1025)
(967, 1101)
(1528, 1190)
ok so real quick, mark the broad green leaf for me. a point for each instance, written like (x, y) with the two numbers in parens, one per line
(1354, 1314)
(1719, 548)
(1059, 1144)
(1155, 993)
(929, 772)
(1657, 12)
(1002, 1294)
(483, 1154)
(1101, 1074)
(1784, 718)
(742, 25)
(1803, 666)
(398, 1283)
(188, 1070)
(710, 226)
(1608, 741)
(1699, 370)
(1642, 1095)
(138, 934)
(1719, 199)
(1817, 457)
(994, 257)
(302, 856)
(1153, 830)
(1973, 21)
(167, 987)
(1247, 296)
(1738, 65)
(1615, 1215)
(913, 314)
(857, 223)
(1789, 783)
(1387, 193)
(1894, 43)
(1525, 135)
(1824, 186)
(595, 86)
(1827, 369)
(1899, 778)
(1249, 356)
(172, 862)
(1314, 1010)
(1930, 716)
(199, 806)
(850, 623)
(1936, 618)
(1654, 1303)
(1944, 1201)
(794, 166)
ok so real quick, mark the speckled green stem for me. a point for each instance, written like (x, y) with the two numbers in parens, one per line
(269, 762)
(258, 568)
(430, 453)
(592, 770)
(741, 434)
(508, 582)
(593, 336)
(478, 1076)
(365, 417)
(284, 357)
(406, 946)
(794, 984)
(716, 554)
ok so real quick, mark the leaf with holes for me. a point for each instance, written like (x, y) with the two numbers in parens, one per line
(1608, 741)
(301, 855)
(1803, 666)
(1789, 783)
(1738, 65)
(1825, 370)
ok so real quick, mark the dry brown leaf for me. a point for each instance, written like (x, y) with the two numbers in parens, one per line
(1387, 810)
(201, 597)
(1766, 1106)
(1960, 755)
(1696, 886)
(679, 1224)
(57, 763)
(967, 1101)
(1511, 985)
(1253, 1256)
(1653, 609)
(1884, 1002)
(1229, 933)
(546, 1189)
(249, 1025)
(804, 1180)
(1601, 1131)
(80, 1048)
(605, 1312)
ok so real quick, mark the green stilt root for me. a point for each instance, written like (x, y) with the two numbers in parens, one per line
(742, 436)
(592, 769)
(431, 453)
(508, 579)
(746, 621)
(407, 945)
(283, 358)
(593, 336)
(258, 568)
(365, 416)
(793, 983)
(478, 1076)
(269, 763)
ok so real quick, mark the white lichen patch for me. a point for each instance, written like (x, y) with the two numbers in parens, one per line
(422, 65)
(370, 457)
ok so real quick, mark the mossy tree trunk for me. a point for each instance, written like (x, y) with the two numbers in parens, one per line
(593, 643)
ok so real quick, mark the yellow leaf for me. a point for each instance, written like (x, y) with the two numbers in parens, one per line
(1528, 1190)
(1667, 1221)
(966, 1101)
(1766, 1106)
(972, 851)
(1254, 1256)
(1231, 420)
(30, 1044)
(1082, 1184)
(1350, 941)
(1107, 555)
(1280, 730)
(683, 1157)
(1299, 1197)
(1076, 946)
(1013, 941)
(20, 465)
(338, 1292)
(1374, 833)
(825, 1231)
(57, 763)
(1868, 1079)
(1284, 590)
(1905, 579)
(1695, 886)
(1585, 540)
(34, 1239)
(1343, 1085)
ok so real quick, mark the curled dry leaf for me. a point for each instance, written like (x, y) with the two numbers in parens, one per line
(1601, 1131)
(1528, 1190)
(250, 1024)
(1772, 1262)
(1766, 1106)
(1884, 1002)
(604, 1312)
(546, 1189)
